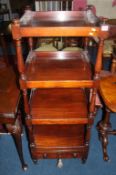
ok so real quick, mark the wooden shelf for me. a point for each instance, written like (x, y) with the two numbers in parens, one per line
(59, 112)
(56, 68)
(59, 141)
(57, 18)
(59, 106)
(57, 23)
(58, 136)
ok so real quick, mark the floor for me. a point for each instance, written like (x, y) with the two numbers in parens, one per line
(10, 164)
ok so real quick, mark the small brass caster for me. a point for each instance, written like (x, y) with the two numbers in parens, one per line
(25, 167)
(106, 158)
(59, 163)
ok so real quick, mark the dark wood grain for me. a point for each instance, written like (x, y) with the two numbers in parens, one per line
(59, 105)
(55, 18)
(10, 116)
(47, 66)
(55, 136)
(59, 113)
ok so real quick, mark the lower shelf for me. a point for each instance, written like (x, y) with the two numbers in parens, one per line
(61, 136)
(59, 123)
(54, 141)
(59, 106)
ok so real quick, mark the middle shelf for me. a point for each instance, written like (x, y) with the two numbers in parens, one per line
(59, 106)
(57, 69)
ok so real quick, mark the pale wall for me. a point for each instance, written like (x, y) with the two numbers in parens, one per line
(104, 8)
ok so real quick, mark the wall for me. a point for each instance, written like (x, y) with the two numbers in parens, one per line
(104, 8)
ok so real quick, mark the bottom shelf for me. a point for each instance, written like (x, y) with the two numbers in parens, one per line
(54, 141)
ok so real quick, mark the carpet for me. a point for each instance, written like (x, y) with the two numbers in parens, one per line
(10, 164)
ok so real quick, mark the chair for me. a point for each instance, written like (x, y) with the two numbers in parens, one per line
(10, 115)
(51, 5)
(107, 90)
(4, 10)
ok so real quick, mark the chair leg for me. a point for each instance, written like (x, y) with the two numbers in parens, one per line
(103, 128)
(16, 131)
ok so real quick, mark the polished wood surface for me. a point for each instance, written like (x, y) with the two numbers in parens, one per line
(108, 91)
(60, 84)
(57, 23)
(9, 100)
(10, 115)
(56, 18)
(58, 136)
(108, 94)
(6, 85)
(9, 93)
(62, 106)
(53, 141)
(52, 66)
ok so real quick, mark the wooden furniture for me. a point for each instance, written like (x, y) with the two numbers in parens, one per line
(10, 115)
(107, 90)
(59, 112)
(108, 94)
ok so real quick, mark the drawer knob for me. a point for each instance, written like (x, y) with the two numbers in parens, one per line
(45, 155)
(59, 163)
(74, 155)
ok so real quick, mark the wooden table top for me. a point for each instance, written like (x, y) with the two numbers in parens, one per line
(108, 91)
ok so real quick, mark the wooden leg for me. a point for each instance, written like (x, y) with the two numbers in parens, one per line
(30, 137)
(103, 128)
(87, 136)
(16, 131)
(35, 161)
(84, 158)
(104, 140)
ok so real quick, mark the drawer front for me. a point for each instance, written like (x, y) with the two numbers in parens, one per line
(59, 153)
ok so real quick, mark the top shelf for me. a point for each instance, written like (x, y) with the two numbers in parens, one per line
(58, 18)
(59, 23)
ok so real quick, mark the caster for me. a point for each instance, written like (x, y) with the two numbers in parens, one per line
(25, 167)
(84, 161)
(59, 163)
(35, 161)
(106, 158)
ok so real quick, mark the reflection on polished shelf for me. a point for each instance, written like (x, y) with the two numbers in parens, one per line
(59, 112)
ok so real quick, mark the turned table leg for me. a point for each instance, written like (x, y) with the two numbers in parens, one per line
(103, 128)
(16, 131)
